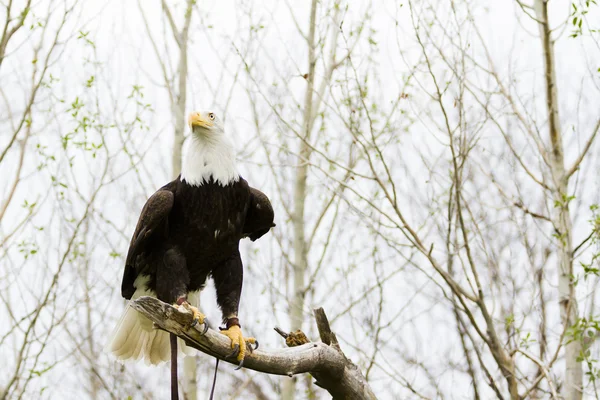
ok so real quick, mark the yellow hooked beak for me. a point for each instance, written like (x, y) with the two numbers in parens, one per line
(196, 119)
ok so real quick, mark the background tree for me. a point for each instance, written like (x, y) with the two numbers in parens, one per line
(175, 82)
(432, 165)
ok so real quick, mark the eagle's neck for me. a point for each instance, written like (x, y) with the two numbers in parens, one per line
(209, 156)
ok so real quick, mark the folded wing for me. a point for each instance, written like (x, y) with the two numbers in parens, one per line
(259, 218)
(152, 225)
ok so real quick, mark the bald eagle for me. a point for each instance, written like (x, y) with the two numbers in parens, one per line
(188, 231)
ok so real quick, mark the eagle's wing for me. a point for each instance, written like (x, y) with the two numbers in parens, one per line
(259, 218)
(153, 221)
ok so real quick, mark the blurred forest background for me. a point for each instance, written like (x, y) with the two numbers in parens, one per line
(433, 165)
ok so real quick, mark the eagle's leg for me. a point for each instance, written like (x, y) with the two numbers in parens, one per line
(228, 282)
(172, 281)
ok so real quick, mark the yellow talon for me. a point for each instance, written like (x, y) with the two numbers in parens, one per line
(197, 315)
(234, 333)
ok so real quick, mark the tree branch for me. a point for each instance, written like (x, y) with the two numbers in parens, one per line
(176, 34)
(544, 371)
(587, 146)
(328, 365)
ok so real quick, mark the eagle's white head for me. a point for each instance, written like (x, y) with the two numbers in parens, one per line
(205, 123)
(209, 152)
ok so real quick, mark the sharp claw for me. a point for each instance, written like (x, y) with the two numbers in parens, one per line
(240, 365)
(236, 350)
(194, 323)
(250, 346)
(205, 327)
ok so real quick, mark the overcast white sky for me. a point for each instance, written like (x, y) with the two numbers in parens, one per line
(123, 56)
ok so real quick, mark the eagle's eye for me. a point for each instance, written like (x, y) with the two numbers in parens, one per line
(211, 116)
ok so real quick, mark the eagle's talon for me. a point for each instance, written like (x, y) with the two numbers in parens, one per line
(249, 342)
(238, 341)
(197, 316)
(234, 353)
(240, 365)
(249, 346)
(205, 327)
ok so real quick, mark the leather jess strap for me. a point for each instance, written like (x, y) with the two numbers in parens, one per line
(231, 322)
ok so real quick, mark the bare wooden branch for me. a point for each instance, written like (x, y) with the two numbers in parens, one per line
(323, 326)
(6, 33)
(587, 146)
(176, 34)
(540, 363)
(328, 365)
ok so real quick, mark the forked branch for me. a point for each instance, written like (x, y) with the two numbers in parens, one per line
(327, 364)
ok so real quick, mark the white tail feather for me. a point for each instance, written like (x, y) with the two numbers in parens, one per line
(134, 336)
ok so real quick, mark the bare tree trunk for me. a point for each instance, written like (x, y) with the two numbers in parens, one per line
(190, 383)
(562, 218)
(181, 96)
(178, 108)
(299, 242)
